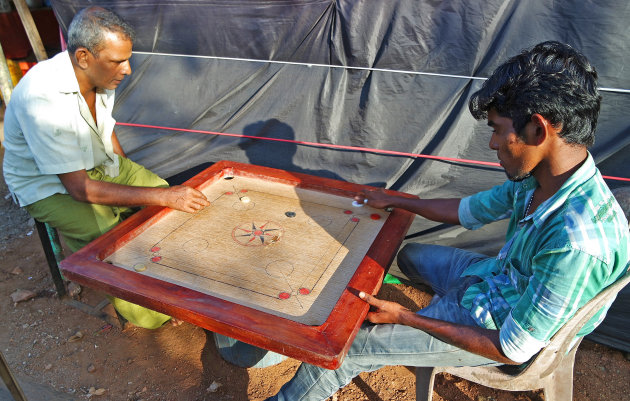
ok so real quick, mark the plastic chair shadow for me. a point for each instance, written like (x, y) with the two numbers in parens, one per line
(551, 369)
(53, 250)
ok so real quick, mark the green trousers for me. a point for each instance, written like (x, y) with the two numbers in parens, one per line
(81, 222)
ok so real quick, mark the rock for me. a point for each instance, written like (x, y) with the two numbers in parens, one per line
(91, 368)
(213, 387)
(74, 289)
(93, 391)
(17, 271)
(48, 366)
(76, 337)
(22, 295)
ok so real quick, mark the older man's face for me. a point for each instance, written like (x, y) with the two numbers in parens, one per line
(111, 66)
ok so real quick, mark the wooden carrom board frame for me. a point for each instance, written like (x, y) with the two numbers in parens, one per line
(324, 345)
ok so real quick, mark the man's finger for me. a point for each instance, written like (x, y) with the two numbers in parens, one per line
(360, 197)
(369, 299)
(201, 202)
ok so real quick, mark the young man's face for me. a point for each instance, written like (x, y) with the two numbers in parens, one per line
(111, 66)
(514, 154)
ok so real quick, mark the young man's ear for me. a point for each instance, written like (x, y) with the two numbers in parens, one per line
(81, 56)
(542, 128)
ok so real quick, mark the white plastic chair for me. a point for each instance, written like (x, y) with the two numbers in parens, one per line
(551, 370)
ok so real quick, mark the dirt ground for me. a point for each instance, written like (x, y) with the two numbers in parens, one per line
(40, 340)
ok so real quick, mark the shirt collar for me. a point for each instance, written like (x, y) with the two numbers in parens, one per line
(67, 80)
(551, 205)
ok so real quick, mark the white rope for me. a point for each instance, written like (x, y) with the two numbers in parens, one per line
(434, 74)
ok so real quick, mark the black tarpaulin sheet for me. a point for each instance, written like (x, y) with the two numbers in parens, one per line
(380, 75)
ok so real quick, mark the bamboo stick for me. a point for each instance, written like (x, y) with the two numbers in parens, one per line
(6, 84)
(31, 29)
(9, 380)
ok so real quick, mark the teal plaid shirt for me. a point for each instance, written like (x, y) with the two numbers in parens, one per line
(554, 260)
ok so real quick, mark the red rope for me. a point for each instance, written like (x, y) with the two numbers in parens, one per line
(332, 146)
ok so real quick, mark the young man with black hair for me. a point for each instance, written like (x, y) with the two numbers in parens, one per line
(567, 237)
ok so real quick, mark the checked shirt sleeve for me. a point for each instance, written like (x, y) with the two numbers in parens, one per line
(563, 281)
(486, 207)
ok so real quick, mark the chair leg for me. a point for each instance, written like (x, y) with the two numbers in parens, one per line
(424, 383)
(558, 386)
(54, 254)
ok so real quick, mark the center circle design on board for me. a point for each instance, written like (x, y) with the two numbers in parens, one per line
(257, 233)
(195, 245)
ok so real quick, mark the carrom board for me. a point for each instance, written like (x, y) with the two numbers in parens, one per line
(276, 260)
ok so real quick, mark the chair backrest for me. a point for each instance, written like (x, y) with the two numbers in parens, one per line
(551, 356)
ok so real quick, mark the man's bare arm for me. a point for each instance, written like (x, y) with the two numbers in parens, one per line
(473, 339)
(117, 148)
(83, 189)
(441, 210)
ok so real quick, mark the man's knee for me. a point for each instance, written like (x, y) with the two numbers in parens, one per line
(410, 257)
(78, 222)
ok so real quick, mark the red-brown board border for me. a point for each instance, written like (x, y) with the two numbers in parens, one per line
(324, 345)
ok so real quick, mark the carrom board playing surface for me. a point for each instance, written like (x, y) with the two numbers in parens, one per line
(273, 247)
(275, 252)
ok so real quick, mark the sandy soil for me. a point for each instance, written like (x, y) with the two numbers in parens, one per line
(40, 342)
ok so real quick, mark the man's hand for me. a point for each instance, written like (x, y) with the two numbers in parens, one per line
(441, 210)
(375, 198)
(383, 311)
(186, 199)
(474, 339)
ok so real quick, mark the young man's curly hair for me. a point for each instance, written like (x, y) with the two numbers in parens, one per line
(551, 79)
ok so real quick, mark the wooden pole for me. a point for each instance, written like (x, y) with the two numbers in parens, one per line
(9, 380)
(31, 29)
(6, 84)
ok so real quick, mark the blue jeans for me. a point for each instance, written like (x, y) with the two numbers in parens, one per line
(245, 355)
(376, 346)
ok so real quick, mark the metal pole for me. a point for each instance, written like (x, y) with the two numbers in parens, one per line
(54, 254)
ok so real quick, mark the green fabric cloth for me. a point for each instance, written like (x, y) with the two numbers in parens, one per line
(389, 279)
(139, 315)
(81, 222)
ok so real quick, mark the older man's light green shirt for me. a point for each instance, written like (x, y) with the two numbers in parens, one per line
(49, 130)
